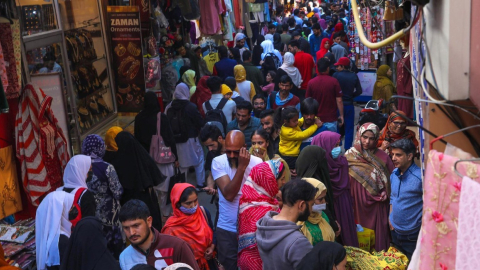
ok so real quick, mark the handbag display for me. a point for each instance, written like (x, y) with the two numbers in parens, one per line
(158, 150)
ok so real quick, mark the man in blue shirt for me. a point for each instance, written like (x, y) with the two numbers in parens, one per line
(351, 88)
(296, 16)
(406, 202)
(244, 122)
(315, 40)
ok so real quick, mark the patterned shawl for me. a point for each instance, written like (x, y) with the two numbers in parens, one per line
(258, 198)
(34, 109)
(364, 165)
(387, 134)
(193, 229)
(94, 146)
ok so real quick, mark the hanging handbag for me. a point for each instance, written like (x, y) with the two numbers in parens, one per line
(158, 150)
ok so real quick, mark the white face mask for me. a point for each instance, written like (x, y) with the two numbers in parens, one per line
(318, 208)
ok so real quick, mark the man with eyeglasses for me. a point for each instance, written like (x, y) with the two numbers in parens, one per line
(259, 104)
(230, 171)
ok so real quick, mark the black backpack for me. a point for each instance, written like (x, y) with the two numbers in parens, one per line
(276, 60)
(216, 115)
(179, 123)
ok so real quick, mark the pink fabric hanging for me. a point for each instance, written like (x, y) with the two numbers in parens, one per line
(442, 192)
(209, 20)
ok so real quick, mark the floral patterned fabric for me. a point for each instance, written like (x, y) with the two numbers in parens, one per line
(6, 40)
(360, 259)
(107, 191)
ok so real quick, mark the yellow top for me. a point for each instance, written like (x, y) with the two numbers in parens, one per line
(291, 138)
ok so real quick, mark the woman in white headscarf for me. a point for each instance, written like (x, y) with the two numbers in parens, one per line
(52, 229)
(287, 68)
(241, 44)
(184, 115)
(75, 177)
(271, 58)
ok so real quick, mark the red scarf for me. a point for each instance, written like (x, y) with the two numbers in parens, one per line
(321, 53)
(193, 229)
(202, 94)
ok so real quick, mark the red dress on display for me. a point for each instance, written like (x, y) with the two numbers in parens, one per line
(405, 86)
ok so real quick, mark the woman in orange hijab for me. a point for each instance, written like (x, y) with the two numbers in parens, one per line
(394, 130)
(110, 143)
(192, 223)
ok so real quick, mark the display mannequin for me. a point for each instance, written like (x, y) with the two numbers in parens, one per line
(404, 81)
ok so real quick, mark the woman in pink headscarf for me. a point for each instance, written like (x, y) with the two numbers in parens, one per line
(338, 169)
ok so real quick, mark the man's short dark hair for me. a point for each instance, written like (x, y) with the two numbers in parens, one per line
(222, 52)
(314, 19)
(336, 35)
(316, 26)
(267, 112)
(246, 55)
(231, 83)
(210, 132)
(245, 105)
(298, 190)
(406, 145)
(257, 96)
(342, 34)
(309, 106)
(214, 83)
(286, 79)
(143, 267)
(294, 43)
(323, 64)
(291, 22)
(271, 25)
(285, 27)
(296, 12)
(132, 210)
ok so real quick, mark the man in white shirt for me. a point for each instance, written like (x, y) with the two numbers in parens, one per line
(214, 83)
(230, 172)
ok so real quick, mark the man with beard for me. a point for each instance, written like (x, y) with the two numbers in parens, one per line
(211, 137)
(259, 104)
(309, 108)
(244, 121)
(148, 246)
(230, 171)
(280, 242)
(266, 120)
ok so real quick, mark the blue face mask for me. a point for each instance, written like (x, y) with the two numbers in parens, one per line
(189, 211)
(336, 152)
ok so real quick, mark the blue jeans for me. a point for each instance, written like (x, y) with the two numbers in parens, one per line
(331, 126)
(405, 243)
(349, 119)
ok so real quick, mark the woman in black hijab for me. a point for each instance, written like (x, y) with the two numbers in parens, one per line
(87, 248)
(325, 256)
(236, 55)
(278, 44)
(138, 173)
(146, 124)
(257, 51)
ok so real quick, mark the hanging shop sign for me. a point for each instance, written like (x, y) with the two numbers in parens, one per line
(144, 9)
(126, 40)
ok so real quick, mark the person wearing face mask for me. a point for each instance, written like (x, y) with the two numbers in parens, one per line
(260, 144)
(77, 174)
(258, 197)
(107, 191)
(192, 223)
(317, 228)
(338, 172)
(280, 243)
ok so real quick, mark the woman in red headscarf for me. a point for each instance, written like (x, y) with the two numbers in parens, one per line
(394, 130)
(201, 95)
(192, 223)
(324, 48)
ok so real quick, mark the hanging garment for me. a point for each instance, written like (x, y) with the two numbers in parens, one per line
(405, 86)
(17, 51)
(4, 108)
(6, 40)
(3, 69)
(443, 190)
(10, 201)
(41, 144)
(209, 20)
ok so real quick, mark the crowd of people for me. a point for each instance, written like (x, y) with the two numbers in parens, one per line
(262, 135)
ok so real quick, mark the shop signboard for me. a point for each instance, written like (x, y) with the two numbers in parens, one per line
(124, 26)
(367, 80)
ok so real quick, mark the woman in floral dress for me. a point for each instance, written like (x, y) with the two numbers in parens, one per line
(107, 191)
